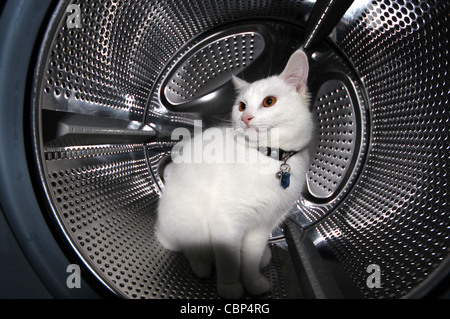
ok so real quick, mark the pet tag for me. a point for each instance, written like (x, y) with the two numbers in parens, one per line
(285, 180)
(283, 175)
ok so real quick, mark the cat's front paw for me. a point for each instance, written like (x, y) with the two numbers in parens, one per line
(258, 286)
(230, 290)
(266, 257)
(200, 268)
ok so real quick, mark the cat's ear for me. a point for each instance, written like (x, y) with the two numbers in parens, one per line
(296, 71)
(239, 84)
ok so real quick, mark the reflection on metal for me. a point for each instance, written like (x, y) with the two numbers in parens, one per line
(109, 93)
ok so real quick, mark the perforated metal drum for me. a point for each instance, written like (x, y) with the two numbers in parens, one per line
(110, 88)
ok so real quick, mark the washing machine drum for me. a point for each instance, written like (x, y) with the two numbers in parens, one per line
(114, 78)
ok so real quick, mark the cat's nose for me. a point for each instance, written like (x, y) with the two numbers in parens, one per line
(246, 119)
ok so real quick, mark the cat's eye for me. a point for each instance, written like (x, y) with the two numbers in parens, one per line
(242, 106)
(269, 101)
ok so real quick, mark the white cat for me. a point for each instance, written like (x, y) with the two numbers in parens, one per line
(222, 212)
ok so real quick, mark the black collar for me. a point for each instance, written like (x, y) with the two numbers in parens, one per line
(277, 154)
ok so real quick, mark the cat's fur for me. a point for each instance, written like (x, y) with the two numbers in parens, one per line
(222, 213)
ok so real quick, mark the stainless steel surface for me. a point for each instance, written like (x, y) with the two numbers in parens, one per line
(397, 215)
(377, 188)
(335, 115)
(323, 18)
(210, 65)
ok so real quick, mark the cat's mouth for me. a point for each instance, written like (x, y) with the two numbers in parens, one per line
(258, 132)
(257, 127)
(252, 128)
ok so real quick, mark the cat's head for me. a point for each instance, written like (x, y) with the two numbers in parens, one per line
(279, 104)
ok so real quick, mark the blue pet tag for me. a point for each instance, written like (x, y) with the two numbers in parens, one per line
(284, 175)
(285, 180)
